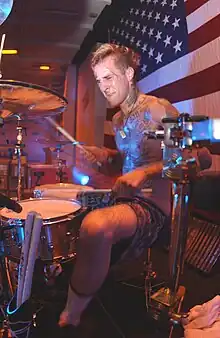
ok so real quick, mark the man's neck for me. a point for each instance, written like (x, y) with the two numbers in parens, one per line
(130, 102)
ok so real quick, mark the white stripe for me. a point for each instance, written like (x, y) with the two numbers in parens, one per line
(202, 15)
(108, 128)
(204, 105)
(189, 64)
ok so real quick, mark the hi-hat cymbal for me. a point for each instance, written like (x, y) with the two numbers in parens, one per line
(29, 101)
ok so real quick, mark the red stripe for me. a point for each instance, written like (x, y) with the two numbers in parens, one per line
(192, 5)
(204, 34)
(191, 86)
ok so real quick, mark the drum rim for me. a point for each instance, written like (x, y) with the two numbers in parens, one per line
(46, 221)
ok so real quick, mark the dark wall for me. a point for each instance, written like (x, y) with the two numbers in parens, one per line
(100, 32)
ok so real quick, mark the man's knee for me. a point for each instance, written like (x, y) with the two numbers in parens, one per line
(95, 224)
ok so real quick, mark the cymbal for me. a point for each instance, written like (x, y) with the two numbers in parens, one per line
(6, 7)
(29, 101)
(52, 142)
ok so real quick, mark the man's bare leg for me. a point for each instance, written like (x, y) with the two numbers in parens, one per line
(99, 231)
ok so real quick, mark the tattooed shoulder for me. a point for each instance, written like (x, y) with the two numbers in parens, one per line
(158, 108)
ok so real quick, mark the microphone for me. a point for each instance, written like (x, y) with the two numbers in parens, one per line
(204, 158)
(9, 203)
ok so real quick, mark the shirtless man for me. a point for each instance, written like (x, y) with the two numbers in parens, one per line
(134, 219)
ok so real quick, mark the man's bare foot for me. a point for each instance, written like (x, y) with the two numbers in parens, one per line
(75, 306)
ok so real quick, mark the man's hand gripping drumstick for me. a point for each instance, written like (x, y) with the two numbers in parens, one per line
(90, 156)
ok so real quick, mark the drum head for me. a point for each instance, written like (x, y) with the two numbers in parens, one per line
(47, 208)
(64, 191)
(63, 186)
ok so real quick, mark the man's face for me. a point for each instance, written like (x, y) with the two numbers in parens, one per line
(113, 81)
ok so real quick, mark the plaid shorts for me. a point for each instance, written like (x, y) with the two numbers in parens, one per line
(150, 220)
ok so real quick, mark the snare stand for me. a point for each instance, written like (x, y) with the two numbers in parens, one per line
(165, 304)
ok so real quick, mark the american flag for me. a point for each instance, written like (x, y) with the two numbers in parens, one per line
(179, 45)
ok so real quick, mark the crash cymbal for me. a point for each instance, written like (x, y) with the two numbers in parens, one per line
(5, 9)
(29, 101)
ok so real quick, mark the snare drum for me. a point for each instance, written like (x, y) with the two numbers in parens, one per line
(61, 223)
(65, 191)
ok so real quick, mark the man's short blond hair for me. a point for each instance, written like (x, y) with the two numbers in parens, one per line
(124, 56)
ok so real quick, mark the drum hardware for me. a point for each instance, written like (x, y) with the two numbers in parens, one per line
(165, 304)
(18, 150)
(38, 174)
(25, 102)
(51, 272)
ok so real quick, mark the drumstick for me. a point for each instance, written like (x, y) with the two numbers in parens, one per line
(1, 49)
(71, 139)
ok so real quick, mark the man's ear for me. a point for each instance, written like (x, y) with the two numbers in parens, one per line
(130, 73)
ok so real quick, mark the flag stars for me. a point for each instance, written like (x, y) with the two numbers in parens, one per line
(150, 14)
(151, 32)
(137, 12)
(131, 10)
(144, 48)
(166, 19)
(118, 30)
(144, 29)
(177, 46)
(157, 17)
(148, 2)
(126, 22)
(151, 52)
(158, 58)
(113, 28)
(138, 43)
(143, 13)
(122, 33)
(176, 23)
(173, 4)
(144, 68)
(127, 36)
(167, 40)
(163, 3)
(122, 20)
(141, 1)
(158, 36)
(155, 2)
(132, 39)
(138, 26)
(132, 24)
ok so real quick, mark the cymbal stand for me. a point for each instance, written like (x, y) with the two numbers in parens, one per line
(165, 304)
(60, 173)
(19, 146)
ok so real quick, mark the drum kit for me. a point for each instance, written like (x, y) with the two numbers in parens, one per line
(63, 205)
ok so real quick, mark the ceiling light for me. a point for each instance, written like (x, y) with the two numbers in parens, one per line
(9, 51)
(43, 67)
